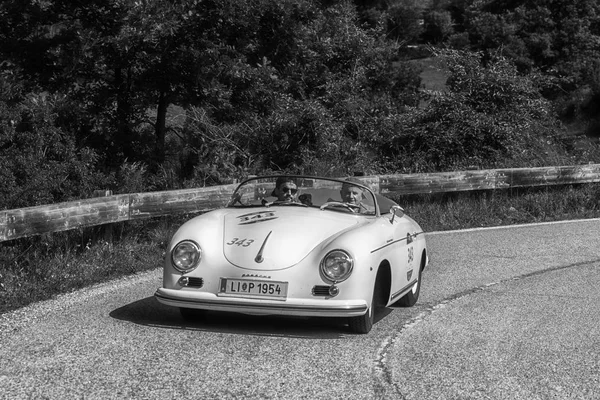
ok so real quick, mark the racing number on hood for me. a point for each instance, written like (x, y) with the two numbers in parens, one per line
(240, 242)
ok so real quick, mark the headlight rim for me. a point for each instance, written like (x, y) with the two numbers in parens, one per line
(192, 266)
(343, 277)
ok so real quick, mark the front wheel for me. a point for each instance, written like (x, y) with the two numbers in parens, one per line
(364, 323)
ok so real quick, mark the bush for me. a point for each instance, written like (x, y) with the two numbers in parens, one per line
(320, 112)
(490, 117)
(404, 21)
(40, 163)
(438, 26)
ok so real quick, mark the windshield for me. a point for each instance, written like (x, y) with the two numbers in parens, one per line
(348, 195)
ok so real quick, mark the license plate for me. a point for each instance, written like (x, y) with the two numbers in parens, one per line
(253, 288)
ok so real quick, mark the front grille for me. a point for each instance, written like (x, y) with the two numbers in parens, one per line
(320, 290)
(195, 282)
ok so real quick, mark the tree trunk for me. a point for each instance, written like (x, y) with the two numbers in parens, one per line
(124, 137)
(160, 129)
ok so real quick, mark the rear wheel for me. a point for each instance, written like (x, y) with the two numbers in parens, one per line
(410, 298)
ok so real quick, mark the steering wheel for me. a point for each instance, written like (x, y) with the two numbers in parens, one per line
(354, 208)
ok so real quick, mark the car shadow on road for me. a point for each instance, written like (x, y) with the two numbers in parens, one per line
(149, 312)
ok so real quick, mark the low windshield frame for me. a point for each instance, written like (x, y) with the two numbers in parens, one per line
(260, 192)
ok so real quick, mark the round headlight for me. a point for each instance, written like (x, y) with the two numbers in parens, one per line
(337, 266)
(185, 256)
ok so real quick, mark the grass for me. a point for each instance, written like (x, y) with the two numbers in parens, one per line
(465, 210)
(39, 268)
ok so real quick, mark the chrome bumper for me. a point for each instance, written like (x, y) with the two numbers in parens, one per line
(298, 307)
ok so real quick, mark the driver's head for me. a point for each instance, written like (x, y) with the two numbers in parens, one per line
(285, 189)
(350, 193)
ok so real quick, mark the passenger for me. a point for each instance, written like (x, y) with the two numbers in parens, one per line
(353, 195)
(285, 190)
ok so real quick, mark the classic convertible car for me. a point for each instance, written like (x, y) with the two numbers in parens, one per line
(297, 245)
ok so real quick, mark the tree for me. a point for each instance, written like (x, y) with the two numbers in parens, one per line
(40, 162)
(122, 64)
(560, 38)
(490, 117)
(438, 26)
(405, 21)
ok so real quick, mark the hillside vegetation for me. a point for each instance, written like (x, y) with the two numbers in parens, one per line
(145, 95)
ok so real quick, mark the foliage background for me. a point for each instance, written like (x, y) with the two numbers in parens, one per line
(139, 95)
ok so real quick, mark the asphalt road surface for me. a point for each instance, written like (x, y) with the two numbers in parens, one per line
(506, 313)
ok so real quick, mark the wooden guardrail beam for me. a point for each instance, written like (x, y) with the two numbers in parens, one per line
(63, 216)
(155, 204)
(441, 182)
(58, 217)
(104, 210)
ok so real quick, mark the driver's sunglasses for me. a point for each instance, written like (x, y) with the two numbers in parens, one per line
(288, 189)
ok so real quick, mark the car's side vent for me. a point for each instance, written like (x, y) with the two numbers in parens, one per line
(320, 290)
(190, 281)
(195, 282)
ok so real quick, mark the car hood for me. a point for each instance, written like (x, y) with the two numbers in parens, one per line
(279, 237)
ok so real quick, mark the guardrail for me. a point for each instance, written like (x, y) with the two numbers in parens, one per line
(31, 221)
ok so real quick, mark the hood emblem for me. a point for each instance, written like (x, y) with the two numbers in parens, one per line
(255, 217)
(409, 275)
(259, 257)
(256, 276)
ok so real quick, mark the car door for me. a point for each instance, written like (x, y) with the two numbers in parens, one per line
(404, 268)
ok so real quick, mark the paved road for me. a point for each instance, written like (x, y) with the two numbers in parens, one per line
(504, 313)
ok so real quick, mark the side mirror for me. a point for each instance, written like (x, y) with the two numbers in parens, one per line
(396, 211)
(235, 198)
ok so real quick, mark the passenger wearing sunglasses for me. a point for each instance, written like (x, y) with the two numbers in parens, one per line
(285, 190)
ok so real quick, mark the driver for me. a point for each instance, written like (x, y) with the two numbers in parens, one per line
(285, 190)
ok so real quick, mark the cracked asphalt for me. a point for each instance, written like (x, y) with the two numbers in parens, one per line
(504, 313)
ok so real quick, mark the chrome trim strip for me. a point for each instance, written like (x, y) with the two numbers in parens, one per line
(259, 257)
(404, 289)
(414, 235)
(387, 244)
(269, 307)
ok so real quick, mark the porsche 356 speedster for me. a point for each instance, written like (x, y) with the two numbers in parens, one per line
(297, 245)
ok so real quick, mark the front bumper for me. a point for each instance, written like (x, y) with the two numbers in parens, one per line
(297, 307)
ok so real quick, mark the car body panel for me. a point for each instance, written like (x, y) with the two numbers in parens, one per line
(282, 247)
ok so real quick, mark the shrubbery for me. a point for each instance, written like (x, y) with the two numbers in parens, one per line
(139, 96)
(40, 163)
(490, 117)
